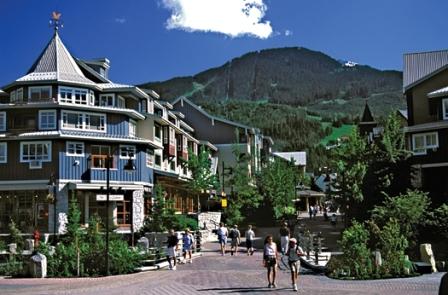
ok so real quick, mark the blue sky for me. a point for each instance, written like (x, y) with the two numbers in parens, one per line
(146, 43)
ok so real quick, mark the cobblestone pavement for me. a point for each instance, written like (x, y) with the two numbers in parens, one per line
(214, 274)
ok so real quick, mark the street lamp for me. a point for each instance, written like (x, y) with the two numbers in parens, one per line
(52, 189)
(130, 166)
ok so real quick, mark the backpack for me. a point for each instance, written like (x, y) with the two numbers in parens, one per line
(232, 234)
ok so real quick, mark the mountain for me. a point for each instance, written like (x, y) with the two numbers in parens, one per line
(295, 76)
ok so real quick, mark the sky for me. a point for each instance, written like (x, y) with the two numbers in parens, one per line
(155, 40)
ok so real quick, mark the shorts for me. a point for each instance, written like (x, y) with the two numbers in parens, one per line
(171, 252)
(222, 240)
(294, 266)
(270, 261)
(234, 242)
(249, 244)
(187, 248)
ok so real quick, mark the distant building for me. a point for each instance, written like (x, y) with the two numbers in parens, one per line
(425, 87)
(298, 158)
(225, 135)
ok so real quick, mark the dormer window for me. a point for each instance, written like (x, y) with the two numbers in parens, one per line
(39, 93)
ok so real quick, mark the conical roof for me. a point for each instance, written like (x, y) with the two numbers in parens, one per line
(367, 115)
(55, 63)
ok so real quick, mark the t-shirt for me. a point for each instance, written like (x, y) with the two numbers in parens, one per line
(172, 241)
(187, 240)
(234, 233)
(250, 235)
(270, 249)
(292, 254)
(222, 231)
(284, 231)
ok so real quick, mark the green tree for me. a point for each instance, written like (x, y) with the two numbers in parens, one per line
(244, 187)
(278, 182)
(410, 208)
(162, 214)
(351, 165)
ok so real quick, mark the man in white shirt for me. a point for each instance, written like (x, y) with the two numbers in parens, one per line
(250, 236)
(222, 237)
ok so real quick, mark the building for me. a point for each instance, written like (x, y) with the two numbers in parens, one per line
(425, 86)
(226, 136)
(60, 123)
(167, 127)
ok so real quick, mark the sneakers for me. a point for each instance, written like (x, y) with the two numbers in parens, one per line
(294, 287)
(173, 268)
(190, 261)
(270, 285)
(274, 285)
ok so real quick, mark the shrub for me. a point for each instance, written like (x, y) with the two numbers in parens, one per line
(357, 258)
(181, 222)
(16, 236)
(12, 267)
(122, 259)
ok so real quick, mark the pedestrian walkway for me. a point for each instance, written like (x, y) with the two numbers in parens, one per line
(216, 274)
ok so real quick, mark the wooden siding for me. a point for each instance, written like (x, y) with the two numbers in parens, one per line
(82, 171)
(14, 170)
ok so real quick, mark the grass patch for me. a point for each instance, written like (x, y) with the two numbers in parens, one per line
(344, 130)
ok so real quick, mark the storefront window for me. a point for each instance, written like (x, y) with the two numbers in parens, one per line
(124, 212)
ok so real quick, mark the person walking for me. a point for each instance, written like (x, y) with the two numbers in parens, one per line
(294, 253)
(284, 238)
(250, 236)
(270, 258)
(222, 237)
(235, 235)
(310, 211)
(187, 245)
(172, 248)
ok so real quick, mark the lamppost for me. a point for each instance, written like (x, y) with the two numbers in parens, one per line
(52, 188)
(130, 166)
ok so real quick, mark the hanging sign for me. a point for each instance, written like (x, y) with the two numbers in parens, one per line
(111, 197)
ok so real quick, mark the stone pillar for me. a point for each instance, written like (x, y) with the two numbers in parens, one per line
(427, 256)
(62, 205)
(137, 209)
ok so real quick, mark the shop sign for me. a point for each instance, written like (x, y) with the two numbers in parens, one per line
(111, 198)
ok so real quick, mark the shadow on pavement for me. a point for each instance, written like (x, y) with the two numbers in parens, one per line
(242, 290)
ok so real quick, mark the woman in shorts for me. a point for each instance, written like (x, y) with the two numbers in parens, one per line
(294, 254)
(270, 258)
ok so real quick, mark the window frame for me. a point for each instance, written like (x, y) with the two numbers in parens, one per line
(101, 156)
(55, 124)
(103, 95)
(424, 150)
(23, 143)
(5, 144)
(2, 121)
(132, 128)
(89, 100)
(69, 154)
(444, 109)
(158, 138)
(155, 160)
(84, 115)
(129, 149)
(150, 158)
(31, 88)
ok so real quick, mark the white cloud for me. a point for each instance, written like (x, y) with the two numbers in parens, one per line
(233, 18)
(121, 20)
(288, 33)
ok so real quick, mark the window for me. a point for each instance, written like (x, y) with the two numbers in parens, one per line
(445, 108)
(65, 95)
(75, 149)
(107, 100)
(149, 158)
(424, 141)
(83, 121)
(39, 93)
(144, 106)
(124, 212)
(47, 119)
(19, 97)
(173, 165)
(95, 122)
(35, 151)
(127, 152)
(99, 156)
(80, 96)
(158, 160)
(157, 131)
(3, 152)
(121, 102)
(75, 95)
(132, 128)
(2, 121)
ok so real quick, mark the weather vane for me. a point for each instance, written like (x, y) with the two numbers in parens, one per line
(55, 20)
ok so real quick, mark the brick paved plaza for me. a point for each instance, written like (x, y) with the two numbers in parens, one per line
(214, 274)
